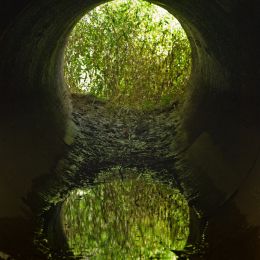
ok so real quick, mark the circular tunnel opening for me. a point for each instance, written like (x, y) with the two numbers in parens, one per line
(132, 54)
(127, 54)
(35, 73)
(124, 54)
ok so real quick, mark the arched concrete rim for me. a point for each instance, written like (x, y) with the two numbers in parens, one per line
(219, 126)
(32, 70)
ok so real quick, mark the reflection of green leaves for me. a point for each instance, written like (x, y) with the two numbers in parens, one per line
(128, 51)
(126, 215)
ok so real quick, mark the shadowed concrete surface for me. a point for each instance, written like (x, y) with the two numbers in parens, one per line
(218, 130)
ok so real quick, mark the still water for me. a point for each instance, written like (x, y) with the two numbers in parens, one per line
(126, 214)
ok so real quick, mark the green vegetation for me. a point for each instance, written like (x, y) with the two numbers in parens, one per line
(130, 52)
(126, 214)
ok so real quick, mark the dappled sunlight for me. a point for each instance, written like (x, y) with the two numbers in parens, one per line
(130, 53)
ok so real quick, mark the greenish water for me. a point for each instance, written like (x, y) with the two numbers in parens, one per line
(126, 214)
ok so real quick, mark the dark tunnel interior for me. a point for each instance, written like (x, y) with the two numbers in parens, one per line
(218, 133)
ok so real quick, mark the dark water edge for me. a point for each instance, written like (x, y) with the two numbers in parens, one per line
(50, 239)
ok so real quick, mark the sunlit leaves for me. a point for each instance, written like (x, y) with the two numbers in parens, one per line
(132, 53)
(126, 215)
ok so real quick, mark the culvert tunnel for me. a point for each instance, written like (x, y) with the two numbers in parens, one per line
(218, 140)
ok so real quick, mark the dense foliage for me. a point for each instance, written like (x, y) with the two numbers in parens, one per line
(126, 215)
(130, 52)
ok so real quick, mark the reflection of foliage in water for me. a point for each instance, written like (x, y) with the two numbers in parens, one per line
(126, 215)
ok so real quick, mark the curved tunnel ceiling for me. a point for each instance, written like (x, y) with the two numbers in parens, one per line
(218, 136)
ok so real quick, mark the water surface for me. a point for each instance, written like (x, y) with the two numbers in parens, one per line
(126, 214)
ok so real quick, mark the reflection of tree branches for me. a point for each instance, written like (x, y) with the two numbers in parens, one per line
(110, 220)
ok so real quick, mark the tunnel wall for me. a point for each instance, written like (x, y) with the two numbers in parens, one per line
(218, 136)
